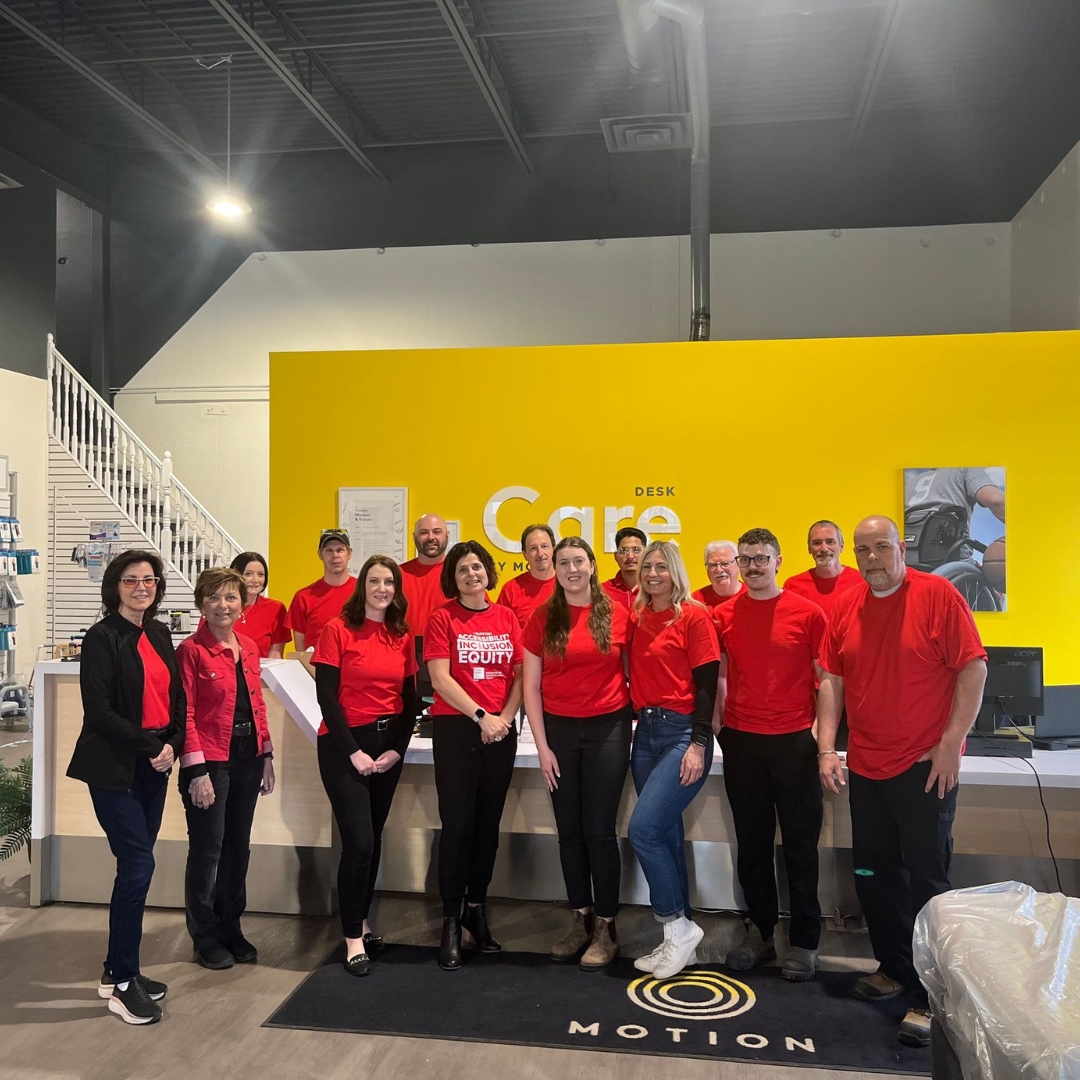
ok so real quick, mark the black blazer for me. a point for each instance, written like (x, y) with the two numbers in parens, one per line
(111, 680)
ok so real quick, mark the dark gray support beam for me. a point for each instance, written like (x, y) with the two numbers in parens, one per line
(99, 307)
(293, 32)
(279, 68)
(106, 87)
(875, 69)
(459, 32)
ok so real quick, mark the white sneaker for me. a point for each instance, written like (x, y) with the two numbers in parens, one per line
(649, 962)
(684, 942)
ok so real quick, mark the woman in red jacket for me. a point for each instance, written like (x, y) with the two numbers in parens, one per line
(263, 620)
(225, 765)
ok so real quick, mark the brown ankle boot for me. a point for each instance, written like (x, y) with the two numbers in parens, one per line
(603, 948)
(576, 939)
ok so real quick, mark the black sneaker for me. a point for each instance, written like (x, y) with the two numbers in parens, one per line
(215, 957)
(133, 1005)
(243, 952)
(155, 990)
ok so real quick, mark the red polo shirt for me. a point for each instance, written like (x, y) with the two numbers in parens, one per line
(824, 591)
(524, 594)
(421, 586)
(619, 591)
(315, 605)
(708, 596)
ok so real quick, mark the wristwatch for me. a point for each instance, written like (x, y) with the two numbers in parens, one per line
(479, 715)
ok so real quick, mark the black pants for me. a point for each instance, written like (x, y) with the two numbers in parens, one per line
(361, 805)
(472, 779)
(130, 819)
(901, 845)
(593, 755)
(769, 777)
(424, 688)
(219, 845)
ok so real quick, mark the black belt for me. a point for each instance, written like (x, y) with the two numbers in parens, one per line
(245, 728)
(383, 722)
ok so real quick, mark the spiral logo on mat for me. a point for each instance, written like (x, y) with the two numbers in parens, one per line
(694, 994)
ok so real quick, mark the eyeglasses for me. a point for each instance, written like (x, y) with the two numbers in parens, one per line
(758, 560)
(720, 565)
(135, 582)
(630, 551)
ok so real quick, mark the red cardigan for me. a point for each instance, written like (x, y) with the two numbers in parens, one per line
(208, 671)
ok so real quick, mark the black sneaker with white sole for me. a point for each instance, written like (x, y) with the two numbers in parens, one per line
(154, 990)
(133, 1005)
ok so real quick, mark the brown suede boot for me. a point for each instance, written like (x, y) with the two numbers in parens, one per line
(603, 948)
(576, 939)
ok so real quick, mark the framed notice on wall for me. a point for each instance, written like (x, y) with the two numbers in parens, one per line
(375, 519)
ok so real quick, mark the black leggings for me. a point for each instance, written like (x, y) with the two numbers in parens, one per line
(593, 755)
(472, 778)
(361, 805)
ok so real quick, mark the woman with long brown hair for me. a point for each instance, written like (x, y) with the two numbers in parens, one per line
(365, 678)
(578, 706)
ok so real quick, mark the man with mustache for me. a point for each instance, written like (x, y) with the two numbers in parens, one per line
(723, 571)
(828, 578)
(525, 593)
(420, 583)
(769, 640)
(629, 547)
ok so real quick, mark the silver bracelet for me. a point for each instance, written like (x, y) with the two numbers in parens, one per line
(828, 753)
(197, 779)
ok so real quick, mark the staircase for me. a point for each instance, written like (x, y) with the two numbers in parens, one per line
(100, 470)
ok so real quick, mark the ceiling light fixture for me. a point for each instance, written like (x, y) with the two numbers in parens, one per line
(228, 204)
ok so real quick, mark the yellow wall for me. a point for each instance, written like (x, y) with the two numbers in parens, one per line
(748, 433)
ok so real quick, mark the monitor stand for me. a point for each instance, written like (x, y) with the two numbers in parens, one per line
(999, 744)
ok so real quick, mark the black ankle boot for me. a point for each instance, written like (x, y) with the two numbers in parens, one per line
(450, 946)
(475, 921)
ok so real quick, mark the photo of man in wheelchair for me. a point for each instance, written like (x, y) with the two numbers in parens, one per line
(954, 527)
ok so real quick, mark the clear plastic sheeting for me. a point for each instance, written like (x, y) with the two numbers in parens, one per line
(1002, 966)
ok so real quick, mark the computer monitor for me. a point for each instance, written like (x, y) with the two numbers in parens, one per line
(1014, 686)
(1060, 717)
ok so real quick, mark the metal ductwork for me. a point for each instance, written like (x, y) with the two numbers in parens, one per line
(640, 26)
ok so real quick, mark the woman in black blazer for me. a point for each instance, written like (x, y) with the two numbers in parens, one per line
(134, 720)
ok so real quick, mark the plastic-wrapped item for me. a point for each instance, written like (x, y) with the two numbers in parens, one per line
(1002, 966)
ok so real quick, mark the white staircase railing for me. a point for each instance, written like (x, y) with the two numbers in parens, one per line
(141, 485)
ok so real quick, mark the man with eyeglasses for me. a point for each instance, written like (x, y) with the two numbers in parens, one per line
(629, 547)
(769, 641)
(420, 584)
(724, 583)
(828, 578)
(316, 604)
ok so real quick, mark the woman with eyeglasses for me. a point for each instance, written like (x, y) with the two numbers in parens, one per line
(133, 727)
(263, 620)
(674, 665)
(579, 711)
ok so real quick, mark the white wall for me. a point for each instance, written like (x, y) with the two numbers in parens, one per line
(24, 442)
(947, 279)
(1046, 253)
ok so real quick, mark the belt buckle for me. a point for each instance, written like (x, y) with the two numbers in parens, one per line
(382, 725)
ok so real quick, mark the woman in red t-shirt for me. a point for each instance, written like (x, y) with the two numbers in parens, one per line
(473, 652)
(365, 678)
(265, 621)
(579, 711)
(674, 665)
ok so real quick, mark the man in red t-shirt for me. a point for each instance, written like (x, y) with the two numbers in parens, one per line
(828, 578)
(316, 604)
(525, 593)
(770, 640)
(629, 547)
(420, 584)
(723, 571)
(906, 658)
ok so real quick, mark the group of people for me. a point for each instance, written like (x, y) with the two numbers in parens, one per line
(635, 674)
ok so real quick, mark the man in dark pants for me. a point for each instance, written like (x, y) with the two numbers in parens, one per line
(905, 656)
(770, 640)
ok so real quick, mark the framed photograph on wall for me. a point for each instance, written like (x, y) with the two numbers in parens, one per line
(376, 521)
(954, 526)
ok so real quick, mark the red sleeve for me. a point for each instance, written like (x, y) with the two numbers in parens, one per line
(515, 636)
(437, 636)
(329, 648)
(533, 637)
(411, 666)
(281, 634)
(829, 655)
(701, 644)
(720, 624)
(621, 628)
(958, 636)
(192, 752)
(297, 620)
(817, 624)
(504, 595)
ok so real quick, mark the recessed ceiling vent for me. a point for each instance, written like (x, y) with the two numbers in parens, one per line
(670, 131)
(6, 182)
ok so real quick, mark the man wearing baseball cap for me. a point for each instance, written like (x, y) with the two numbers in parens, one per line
(316, 604)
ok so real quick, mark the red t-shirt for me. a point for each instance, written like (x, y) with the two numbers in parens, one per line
(373, 663)
(584, 682)
(663, 658)
(483, 647)
(266, 622)
(421, 586)
(524, 594)
(899, 656)
(824, 591)
(771, 646)
(619, 591)
(708, 596)
(156, 710)
(315, 605)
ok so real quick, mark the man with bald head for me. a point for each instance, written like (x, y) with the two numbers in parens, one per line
(420, 583)
(724, 583)
(902, 652)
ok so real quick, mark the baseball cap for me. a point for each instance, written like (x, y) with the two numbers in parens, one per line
(333, 534)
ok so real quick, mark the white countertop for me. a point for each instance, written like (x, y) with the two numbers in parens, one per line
(295, 689)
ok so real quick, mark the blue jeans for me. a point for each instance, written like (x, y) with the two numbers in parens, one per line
(130, 819)
(656, 828)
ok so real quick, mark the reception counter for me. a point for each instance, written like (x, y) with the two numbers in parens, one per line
(1000, 831)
